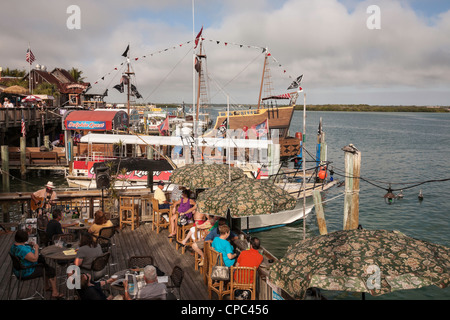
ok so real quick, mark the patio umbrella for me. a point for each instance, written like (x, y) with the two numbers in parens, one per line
(205, 175)
(16, 90)
(373, 261)
(245, 197)
(31, 98)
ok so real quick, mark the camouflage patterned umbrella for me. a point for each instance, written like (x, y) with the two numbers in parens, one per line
(373, 261)
(245, 197)
(204, 175)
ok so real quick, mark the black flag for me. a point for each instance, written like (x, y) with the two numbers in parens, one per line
(119, 87)
(135, 92)
(125, 54)
(295, 84)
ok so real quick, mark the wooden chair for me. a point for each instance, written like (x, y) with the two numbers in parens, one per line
(243, 278)
(200, 234)
(128, 212)
(206, 253)
(182, 232)
(221, 288)
(158, 221)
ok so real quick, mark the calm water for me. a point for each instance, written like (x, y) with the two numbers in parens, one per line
(397, 148)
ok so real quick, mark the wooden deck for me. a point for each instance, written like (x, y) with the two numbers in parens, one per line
(140, 242)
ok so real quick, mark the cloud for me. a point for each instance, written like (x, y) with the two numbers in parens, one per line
(326, 40)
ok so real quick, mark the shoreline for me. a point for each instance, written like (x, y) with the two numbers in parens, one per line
(368, 108)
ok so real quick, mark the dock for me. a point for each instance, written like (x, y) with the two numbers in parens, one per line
(127, 243)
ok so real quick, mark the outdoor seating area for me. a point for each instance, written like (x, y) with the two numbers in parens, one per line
(174, 242)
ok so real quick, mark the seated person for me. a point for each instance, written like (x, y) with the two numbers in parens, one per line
(251, 257)
(54, 226)
(214, 232)
(100, 222)
(223, 246)
(88, 251)
(200, 222)
(153, 290)
(29, 257)
(90, 290)
(186, 206)
(161, 196)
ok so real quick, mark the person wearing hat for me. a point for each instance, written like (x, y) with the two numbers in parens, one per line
(46, 197)
(161, 197)
(8, 104)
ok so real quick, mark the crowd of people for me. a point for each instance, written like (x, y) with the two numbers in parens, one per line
(215, 230)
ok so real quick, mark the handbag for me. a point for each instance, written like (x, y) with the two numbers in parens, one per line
(182, 221)
(220, 273)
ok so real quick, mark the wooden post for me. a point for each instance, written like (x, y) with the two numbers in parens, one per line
(47, 142)
(320, 215)
(5, 168)
(5, 180)
(23, 158)
(69, 153)
(351, 200)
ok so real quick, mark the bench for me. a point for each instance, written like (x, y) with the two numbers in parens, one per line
(44, 157)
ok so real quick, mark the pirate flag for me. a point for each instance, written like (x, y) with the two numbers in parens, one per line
(296, 83)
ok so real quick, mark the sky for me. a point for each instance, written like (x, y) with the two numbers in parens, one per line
(405, 60)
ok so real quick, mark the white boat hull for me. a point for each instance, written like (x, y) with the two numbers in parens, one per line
(278, 219)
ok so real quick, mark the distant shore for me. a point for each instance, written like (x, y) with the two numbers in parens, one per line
(344, 107)
(369, 108)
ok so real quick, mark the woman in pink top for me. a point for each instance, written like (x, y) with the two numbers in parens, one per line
(186, 207)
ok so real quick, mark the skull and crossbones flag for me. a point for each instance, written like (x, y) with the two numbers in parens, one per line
(296, 83)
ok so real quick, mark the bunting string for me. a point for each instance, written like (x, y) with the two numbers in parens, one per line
(117, 69)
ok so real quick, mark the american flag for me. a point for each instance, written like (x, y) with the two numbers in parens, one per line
(30, 56)
(23, 129)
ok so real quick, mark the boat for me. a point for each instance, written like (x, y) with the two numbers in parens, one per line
(182, 147)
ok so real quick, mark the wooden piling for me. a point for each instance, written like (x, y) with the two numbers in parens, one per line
(23, 157)
(5, 168)
(320, 215)
(47, 142)
(351, 200)
(5, 180)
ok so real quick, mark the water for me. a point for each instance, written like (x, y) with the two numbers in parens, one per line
(396, 148)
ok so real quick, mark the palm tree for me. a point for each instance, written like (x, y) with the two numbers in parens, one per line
(76, 74)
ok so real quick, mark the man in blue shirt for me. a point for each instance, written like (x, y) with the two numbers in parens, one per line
(222, 245)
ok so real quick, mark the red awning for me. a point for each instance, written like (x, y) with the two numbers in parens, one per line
(95, 120)
(281, 96)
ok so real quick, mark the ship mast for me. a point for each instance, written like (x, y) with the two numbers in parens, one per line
(262, 79)
(199, 70)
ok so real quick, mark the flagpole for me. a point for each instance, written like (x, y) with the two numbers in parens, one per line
(193, 67)
(29, 69)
